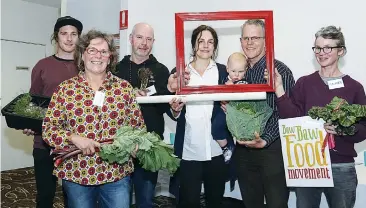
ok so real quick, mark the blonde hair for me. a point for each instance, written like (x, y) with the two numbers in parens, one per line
(237, 57)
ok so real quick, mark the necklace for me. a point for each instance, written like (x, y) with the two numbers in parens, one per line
(130, 72)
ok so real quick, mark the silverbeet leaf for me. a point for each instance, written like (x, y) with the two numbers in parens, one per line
(153, 153)
(25, 107)
(341, 114)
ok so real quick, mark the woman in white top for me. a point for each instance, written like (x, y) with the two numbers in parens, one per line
(202, 159)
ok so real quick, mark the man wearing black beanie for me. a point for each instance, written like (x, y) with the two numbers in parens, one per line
(47, 74)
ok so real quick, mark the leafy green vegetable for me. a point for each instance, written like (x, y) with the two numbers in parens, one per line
(153, 153)
(25, 107)
(244, 118)
(341, 114)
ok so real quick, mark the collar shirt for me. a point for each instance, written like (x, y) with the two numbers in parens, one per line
(74, 109)
(198, 142)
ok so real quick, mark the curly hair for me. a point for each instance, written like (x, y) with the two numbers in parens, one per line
(84, 42)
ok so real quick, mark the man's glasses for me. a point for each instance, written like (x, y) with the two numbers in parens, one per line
(94, 51)
(325, 50)
(254, 38)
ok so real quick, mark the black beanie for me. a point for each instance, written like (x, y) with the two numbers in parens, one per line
(67, 20)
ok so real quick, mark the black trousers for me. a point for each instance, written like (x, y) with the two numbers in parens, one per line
(45, 181)
(213, 175)
(261, 174)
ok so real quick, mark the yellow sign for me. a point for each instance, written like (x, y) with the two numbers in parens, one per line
(304, 163)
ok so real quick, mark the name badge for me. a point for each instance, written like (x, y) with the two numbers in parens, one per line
(334, 84)
(151, 90)
(99, 98)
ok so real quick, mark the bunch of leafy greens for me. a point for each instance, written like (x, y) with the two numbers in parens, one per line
(25, 107)
(244, 118)
(341, 114)
(153, 153)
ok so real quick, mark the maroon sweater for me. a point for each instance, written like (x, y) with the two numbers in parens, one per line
(311, 91)
(47, 74)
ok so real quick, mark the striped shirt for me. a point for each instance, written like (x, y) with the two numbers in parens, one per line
(254, 75)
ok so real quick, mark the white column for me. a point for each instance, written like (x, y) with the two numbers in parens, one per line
(123, 34)
(63, 9)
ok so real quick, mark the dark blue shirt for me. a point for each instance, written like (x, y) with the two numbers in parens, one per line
(255, 75)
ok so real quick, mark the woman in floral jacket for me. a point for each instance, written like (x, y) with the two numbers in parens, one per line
(85, 111)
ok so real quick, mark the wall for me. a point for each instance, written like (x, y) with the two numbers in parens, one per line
(95, 14)
(31, 23)
(295, 24)
(163, 23)
(24, 21)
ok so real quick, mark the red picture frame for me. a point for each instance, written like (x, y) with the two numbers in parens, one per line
(180, 18)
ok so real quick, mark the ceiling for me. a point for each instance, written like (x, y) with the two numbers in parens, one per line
(50, 3)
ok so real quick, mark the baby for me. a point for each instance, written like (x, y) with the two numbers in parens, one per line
(236, 67)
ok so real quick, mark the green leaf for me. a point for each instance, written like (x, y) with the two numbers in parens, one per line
(153, 153)
(25, 107)
(347, 121)
(244, 118)
(340, 113)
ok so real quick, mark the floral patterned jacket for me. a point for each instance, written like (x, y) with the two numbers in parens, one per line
(71, 111)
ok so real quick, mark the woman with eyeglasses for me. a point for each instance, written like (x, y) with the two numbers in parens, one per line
(318, 89)
(86, 111)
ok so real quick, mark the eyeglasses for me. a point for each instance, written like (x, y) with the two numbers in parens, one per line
(254, 38)
(325, 50)
(94, 51)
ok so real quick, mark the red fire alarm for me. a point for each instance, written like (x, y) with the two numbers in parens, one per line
(123, 19)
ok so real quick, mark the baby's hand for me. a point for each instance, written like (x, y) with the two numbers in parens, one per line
(229, 82)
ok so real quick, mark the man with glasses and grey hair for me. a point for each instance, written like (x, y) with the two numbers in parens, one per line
(259, 163)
